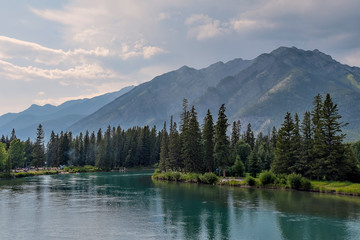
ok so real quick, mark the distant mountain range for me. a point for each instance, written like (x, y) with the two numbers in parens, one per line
(259, 91)
(55, 118)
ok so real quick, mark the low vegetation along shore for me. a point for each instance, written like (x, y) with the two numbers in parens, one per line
(49, 171)
(266, 179)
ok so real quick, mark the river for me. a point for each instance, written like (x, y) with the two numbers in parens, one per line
(131, 206)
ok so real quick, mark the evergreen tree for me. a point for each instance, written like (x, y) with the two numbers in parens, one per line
(164, 149)
(208, 142)
(192, 148)
(254, 164)
(297, 166)
(28, 149)
(274, 135)
(39, 151)
(335, 162)
(235, 133)
(3, 156)
(243, 150)
(51, 150)
(318, 153)
(307, 144)
(249, 136)
(16, 154)
(13, 135)
(87, 148)
(174, 147)
(284, 152)
(222, 145)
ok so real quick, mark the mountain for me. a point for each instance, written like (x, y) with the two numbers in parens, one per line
(153, 102)
(57, 118)
(259, 91)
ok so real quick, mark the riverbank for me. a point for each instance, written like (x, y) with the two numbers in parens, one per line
(266, 180)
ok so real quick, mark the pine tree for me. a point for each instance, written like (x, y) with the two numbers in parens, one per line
(297, 166)
(192, 148)
(334, 164)
(174, 147)
(235, 133)
(87, 148)
(164, 149)
(249, 136)
(208, 142)
(39, 151)
(307, 144)
(51, 150)
(3, 158)
(284, 152)
(254, 164)
(28, 149)
(222, 145)
(318, 153)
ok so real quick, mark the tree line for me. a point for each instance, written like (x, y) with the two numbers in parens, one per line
(313, 148)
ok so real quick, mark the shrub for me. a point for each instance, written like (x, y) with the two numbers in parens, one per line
(305, 184)
(209, 178)
(267, 177)
(250, 181)
(238, 168)
(294, 181)
(281, 180)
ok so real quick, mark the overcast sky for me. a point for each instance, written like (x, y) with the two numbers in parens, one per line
(54, 51)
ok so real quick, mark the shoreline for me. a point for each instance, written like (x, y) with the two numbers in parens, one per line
(322, 187)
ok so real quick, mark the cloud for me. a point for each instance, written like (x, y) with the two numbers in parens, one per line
(28, 73)
(203, 27)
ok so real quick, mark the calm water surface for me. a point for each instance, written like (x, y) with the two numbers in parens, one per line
(132, 206)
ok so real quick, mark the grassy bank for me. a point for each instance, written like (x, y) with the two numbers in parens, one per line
(28, 174)
(265, 180)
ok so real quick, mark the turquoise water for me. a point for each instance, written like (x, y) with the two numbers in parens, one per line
(132, 206)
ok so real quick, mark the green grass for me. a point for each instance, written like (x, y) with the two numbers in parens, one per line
(86, 168)
(347, 188)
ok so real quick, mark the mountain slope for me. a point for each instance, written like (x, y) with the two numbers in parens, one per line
(57, 118)
(259, 91)
(153, 102)
(286, 80)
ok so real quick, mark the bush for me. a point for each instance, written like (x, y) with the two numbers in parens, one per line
(190, 177)
(209, 178)
(294, 181)
(305, 184)
(267, 177)
(250, 181)
(238, 168)
(281, 180)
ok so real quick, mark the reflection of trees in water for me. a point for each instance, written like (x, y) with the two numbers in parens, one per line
(199, 211)
(306, 215)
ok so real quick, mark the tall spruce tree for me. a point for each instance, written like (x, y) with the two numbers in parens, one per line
(164, 149)
(297, 166)
(307, 144)
(222, 145)
(284, 152)
(39, 150)
(174, 147)
(318, 153)
(192, 148)
(208, 142)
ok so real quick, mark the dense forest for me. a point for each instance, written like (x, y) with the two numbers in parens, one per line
(312, 147)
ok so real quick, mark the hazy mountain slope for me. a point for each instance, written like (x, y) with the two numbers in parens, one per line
(153, 102)
(55, 118)
(286, 80)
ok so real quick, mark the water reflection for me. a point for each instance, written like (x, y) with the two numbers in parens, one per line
(132, 206)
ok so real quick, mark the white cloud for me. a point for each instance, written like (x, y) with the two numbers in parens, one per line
(203, 27)
(352, 59)
(11, 71)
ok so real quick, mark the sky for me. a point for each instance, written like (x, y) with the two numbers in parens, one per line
(55, 51)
